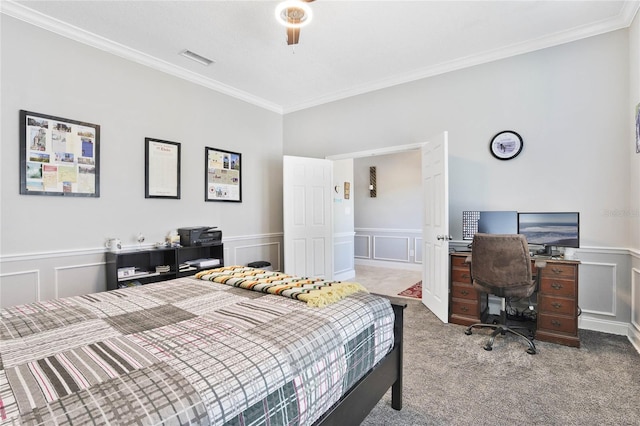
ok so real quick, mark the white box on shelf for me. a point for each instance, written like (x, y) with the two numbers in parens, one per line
(126, 272)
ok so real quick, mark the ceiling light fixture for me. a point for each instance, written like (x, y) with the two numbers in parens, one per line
(293, 13)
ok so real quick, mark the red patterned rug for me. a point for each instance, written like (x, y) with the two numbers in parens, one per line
(413, 291)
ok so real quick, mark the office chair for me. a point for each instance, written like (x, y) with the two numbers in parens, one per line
(501, 265)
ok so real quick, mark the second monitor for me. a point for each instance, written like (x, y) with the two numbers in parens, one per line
(498, 222)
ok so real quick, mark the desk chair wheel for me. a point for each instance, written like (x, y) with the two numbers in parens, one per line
(502, 330)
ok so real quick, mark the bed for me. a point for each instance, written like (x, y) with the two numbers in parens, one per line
(202, 350)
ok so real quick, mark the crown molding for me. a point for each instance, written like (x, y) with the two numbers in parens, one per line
(23, 13)
(623, 20)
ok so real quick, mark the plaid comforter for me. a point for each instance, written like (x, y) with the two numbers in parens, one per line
(185, 351)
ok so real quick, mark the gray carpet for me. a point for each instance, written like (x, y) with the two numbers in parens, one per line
(450, 380)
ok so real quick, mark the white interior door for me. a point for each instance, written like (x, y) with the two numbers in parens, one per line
(435, 231)
(308, 226)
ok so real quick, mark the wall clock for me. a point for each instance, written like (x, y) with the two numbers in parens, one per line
(506, 145)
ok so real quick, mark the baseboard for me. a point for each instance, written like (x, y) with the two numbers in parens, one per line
(345, 275)
(387, 264)
(613, 327)
(634, 337)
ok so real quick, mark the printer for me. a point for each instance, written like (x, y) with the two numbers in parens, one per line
(199, 236)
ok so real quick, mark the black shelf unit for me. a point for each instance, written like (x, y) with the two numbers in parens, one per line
(145, 262)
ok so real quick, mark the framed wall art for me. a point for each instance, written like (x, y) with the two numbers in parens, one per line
(58, 156)
(162, 169)
(222, 175)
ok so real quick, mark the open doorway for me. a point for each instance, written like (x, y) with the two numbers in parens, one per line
(384, 231)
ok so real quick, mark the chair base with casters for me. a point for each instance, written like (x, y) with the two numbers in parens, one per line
(500, 265)
(502, 328)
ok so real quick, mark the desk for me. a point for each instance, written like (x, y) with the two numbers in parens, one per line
(557, 300)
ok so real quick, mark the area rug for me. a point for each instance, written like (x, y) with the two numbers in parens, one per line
(413, 291)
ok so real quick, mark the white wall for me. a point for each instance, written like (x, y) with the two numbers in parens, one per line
(388, 226)
(571, 105)
(46, 73)
(398, 201)
(53, 246)
(343, 231)
(568, 102)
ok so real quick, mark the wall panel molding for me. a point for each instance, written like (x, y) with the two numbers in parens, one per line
(417, 248)
(345, 247)
(378, 248)
(241, 251)
(635, 296)
(6, 278)
(368, 246)
(586, 284)
(59, 269)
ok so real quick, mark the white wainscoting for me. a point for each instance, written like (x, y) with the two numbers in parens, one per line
(390, 248)
(604, 287)
(33, 277)
(597, 288)
(362, 246)
(343, 256)
(634, 326)
(268, 252)
(17, 288)
(79, 279)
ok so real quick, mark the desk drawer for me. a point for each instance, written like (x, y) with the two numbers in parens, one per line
(557, 323)
(557, 305)
(461, 276)
(558, 287)
(554, 270)
(467, 308)
(463, 291)
(458, 261)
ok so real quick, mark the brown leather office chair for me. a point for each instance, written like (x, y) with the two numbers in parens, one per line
(501, 265)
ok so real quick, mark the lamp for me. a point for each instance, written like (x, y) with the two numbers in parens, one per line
(293, 13)
(373, 191)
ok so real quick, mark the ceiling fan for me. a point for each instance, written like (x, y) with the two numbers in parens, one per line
(294, 14)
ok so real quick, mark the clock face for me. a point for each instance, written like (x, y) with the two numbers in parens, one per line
(506, 145)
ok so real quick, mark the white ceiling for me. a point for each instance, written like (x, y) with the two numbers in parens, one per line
(351, 47)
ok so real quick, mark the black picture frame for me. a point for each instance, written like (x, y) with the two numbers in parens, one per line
(222, 175)
(506, 145)
(58, 156)
(162, 160)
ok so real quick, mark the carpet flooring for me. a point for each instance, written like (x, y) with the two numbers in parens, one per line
(450, 380)
(414, 291)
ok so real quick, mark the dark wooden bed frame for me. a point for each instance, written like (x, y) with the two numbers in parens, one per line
(357, 403)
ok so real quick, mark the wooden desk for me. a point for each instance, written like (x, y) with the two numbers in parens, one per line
(557, 300)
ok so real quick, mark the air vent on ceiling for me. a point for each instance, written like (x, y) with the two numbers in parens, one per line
(195, 57)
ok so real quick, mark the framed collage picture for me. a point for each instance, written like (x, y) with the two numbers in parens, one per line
(223, 175)
(58, 156)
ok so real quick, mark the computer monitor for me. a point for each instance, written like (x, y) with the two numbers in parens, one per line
(550, 229)
(498, 222)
